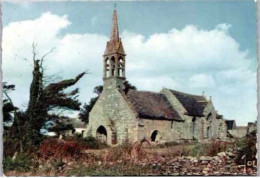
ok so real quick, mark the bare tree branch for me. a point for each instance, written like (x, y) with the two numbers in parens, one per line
(34, 45)
(46, 54)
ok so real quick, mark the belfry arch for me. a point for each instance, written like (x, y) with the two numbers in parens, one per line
(112, 67)
(106, 67)
(121, 67)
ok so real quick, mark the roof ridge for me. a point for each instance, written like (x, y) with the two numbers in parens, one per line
(187, 93)
(145, 91)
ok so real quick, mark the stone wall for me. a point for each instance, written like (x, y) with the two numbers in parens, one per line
(251, 127)
(239, 132)
(207, 127)
(174, 102)
(112, 111)
(168, 130)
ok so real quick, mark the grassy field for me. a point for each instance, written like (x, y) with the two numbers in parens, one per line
(68, 158)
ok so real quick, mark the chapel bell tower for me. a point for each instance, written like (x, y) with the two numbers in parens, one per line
(114, 59)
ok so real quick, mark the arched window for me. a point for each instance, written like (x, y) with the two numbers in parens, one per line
(209, 117)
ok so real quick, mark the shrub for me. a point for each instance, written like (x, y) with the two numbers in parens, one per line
(198, 150)
(69, 148)
(209, 149)
(215, 147)
(125, 152)
(22, 163)
(248, 150)
(92, 143)
(11, 145)
(119, 152)
(87, 142)
(180, 151)
(59, 148)
(240, 142)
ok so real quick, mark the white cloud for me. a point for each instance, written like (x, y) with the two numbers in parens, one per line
(202, 81)
(190, 60)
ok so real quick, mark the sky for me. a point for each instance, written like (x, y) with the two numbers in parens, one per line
(190, 46)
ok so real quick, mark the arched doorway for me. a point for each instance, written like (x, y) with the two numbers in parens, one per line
(101, 134)
(155, 136)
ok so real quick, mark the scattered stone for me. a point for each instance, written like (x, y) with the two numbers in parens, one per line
(176, 174)
(222, 154)
(205, 158)
(230, 154)
(70, 163)
(204, 162)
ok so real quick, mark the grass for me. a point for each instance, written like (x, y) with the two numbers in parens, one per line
(22, 163)
(117, 169)
(111, 161)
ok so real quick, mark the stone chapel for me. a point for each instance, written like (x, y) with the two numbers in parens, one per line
(121, 115)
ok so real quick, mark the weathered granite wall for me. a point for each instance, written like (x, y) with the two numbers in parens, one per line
(112, 111)
(167, 130)
(239, 132)
(207, 127)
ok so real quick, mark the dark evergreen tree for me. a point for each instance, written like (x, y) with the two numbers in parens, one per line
(45, 99)
(8, 106)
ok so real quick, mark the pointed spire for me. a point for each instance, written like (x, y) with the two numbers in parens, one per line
(114, 32)
(114, 45)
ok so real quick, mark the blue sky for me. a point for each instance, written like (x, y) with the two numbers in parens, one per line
(192, 46)
(147, 17)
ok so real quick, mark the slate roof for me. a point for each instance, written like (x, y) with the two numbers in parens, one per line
(194, 104)
(230, 124)
(152, 105)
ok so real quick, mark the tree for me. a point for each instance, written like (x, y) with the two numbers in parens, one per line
(84, 112)
(61, 124)
(8, 106)
(45, 96)
(129, 86)
(44, 99)
(12, 134)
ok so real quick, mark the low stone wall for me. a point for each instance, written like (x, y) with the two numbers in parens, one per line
(222, 164)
